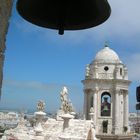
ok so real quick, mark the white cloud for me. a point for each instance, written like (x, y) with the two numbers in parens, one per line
(133, 64)
(29, 84)
(124, 20)
(34, 90)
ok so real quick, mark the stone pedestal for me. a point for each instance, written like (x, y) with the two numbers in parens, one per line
(59, 113)
(91, 116)
(39, 129)
(40, 115)
(66, 118)
(73, 114)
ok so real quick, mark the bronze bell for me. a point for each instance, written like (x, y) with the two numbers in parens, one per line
(64, 14)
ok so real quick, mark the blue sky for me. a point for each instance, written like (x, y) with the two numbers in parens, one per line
(39, 62)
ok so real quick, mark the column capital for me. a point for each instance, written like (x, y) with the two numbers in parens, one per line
(117, 91)
(88, 90)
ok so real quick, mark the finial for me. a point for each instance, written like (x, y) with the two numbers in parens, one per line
(106, 44)
(41, 105)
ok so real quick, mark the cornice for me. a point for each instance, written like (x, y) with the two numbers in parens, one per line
(107, 80)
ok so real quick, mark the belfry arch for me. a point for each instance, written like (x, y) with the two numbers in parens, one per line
(105, 104)
(5, 13)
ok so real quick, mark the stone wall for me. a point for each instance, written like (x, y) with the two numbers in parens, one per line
(5, 12)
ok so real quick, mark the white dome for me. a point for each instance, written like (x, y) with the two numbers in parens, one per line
(107, 55)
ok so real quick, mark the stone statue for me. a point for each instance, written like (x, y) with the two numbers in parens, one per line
(22, 121)
(41, 106)
(71, 108)
(64, 94)
(91, 110)
(87, 70)
(66, 105)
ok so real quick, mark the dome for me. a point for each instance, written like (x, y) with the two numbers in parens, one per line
(107, 55)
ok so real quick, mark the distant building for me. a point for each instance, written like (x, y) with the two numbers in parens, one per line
(106, 91)
(134, 122)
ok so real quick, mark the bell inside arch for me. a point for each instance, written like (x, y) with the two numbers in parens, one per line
(64, 14)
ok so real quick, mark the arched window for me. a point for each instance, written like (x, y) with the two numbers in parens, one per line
(91, 101)
(120, 71)
(105, 126)
(105, 104)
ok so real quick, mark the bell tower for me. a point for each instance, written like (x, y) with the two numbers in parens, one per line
(106, 91)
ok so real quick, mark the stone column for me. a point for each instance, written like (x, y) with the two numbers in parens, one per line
(85, 105)
(125, 73)
(88, 104)
(116, 112)
(95, 71)
(126, 111)
(117, 72)
(95, 108)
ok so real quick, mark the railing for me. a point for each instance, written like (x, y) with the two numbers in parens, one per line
(105, 75)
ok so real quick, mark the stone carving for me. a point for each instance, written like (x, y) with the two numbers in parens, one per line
(92, 115)
(91, 110)
(41, 106)
(66, 104)
(87, 71)
(64, 94)
(22, 121)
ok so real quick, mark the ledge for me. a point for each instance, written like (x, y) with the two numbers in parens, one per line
(127, 136)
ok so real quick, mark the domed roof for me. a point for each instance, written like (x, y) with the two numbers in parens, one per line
(107, 55)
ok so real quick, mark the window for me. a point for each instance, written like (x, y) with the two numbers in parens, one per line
(105, 126)
(106, 68)
(105, 104)
(91, 104)
(120, 71)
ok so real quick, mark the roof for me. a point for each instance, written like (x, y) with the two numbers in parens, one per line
(107, 55)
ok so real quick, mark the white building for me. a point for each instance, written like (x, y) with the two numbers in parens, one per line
(134, 121)
(106, 90)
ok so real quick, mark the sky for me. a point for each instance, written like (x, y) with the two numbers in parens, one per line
(39, 62)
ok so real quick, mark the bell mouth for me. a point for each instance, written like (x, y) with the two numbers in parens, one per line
(64, 15)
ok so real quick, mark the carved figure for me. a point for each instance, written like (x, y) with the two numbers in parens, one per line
(66, 104)
(91, 110)
(87, 71)
(41, 105)
(64, 94)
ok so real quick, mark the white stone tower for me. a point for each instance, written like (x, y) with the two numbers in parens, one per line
(106, 90)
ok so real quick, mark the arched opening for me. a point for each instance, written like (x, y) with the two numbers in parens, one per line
(105, 126)
(91, 101)
(105, 104)
(120, 71)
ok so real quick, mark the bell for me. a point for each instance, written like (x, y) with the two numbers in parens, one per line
(105, 108)
(64, 14)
